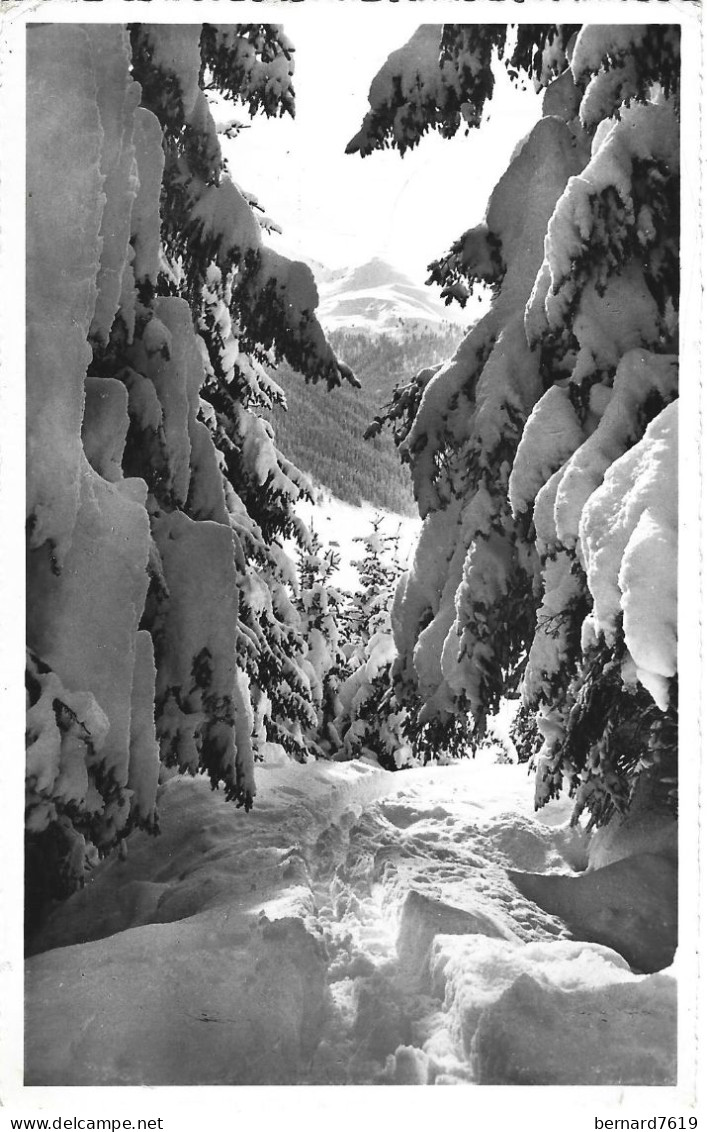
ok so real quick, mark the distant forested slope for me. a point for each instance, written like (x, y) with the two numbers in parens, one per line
(382, 361)
(322, 432)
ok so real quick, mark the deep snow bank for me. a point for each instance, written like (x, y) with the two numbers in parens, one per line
(358, 927)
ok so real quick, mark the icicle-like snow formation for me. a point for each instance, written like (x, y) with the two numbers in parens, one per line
(65, 206)
(145, 216)
(118, 97)
(144, 763)
(89, 538)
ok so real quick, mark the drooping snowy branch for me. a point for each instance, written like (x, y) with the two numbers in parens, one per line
(442, 79)
(436, 81)
(162, 621)
(543, 408)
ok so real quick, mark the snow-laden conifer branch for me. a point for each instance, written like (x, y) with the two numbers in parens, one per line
(540, 479)
(162, 621)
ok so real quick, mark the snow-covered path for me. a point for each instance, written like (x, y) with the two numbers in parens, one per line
(359, 927)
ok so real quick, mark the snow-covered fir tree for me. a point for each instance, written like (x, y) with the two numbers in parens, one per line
(543, 454)
(369, 720)
(324, 625)
(162, 625)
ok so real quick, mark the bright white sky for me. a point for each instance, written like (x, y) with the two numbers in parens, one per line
(343, 210)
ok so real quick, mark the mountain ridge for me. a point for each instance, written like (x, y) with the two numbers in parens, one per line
(322, 431)
(378, 297)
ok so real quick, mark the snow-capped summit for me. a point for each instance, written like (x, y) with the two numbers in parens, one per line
(375, 273)
(377, 296)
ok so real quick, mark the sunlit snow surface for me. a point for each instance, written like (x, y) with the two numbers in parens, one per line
(358, 927)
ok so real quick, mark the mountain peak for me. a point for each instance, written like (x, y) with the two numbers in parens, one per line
(375, 273)
(377, 296)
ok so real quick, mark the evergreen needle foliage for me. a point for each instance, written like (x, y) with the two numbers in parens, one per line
(543, 453)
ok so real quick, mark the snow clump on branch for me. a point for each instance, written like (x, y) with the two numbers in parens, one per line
(160, 598)
(534, 461)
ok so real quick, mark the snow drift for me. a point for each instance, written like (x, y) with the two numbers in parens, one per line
(360, 927)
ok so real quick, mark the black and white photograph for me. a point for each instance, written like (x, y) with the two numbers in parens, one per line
(351, 547)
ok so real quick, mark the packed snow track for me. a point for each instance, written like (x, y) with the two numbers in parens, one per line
(359, 927)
